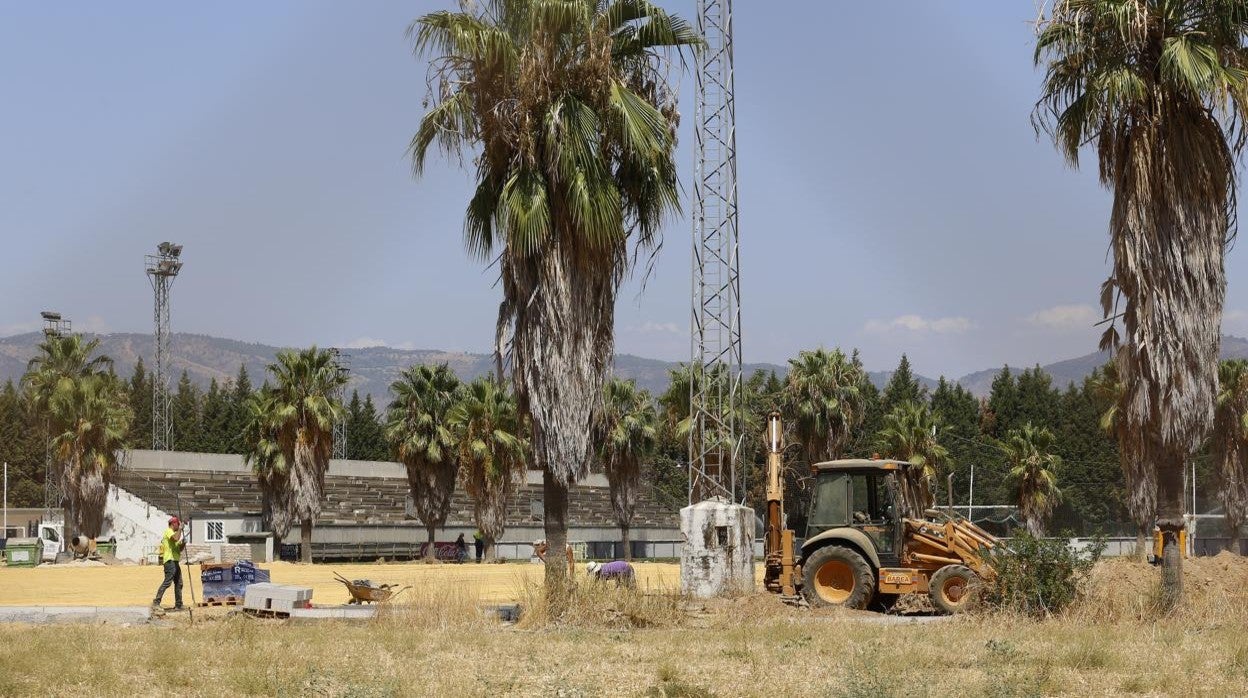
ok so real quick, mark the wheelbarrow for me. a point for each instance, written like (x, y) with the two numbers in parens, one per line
(362, 590)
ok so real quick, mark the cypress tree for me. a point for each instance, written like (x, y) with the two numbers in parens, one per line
(186, 415)
(902, 387)
(139, 391)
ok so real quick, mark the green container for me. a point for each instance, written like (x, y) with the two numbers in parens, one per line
(106, 548)
(22, 552)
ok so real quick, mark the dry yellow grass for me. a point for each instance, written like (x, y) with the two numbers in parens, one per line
(438, 643)
(134, 585)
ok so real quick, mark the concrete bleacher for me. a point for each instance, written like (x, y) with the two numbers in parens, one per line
(374, 500)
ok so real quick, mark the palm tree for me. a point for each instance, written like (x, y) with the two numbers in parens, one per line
(62, 363)
(1159, 88)
(1033, 474)
(1230, 443)
(263, 451)
(1140, 476)
(421, 439)
(94, 417)
(626, 434)
(566, 109)
(493, 450)
(909, 433)
(823, 402)
(303, 406)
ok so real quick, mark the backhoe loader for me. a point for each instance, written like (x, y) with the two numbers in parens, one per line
(870, 537)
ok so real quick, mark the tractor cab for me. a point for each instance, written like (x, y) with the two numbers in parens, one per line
(870, 496)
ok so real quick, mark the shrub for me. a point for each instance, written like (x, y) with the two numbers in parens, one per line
(1039, 576)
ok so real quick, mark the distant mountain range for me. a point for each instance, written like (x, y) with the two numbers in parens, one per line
(373, 369)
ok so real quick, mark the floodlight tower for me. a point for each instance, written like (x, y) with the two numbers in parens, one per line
(343, 362)
(714, 396)
(162, 269)
(54, 326)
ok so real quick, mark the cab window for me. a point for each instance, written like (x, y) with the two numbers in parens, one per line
(830, 506)
(869, 498)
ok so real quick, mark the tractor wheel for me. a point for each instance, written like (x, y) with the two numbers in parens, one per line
(954, 589)
(836, 576)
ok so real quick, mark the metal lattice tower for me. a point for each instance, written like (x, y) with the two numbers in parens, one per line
(343, 361)
(714, 443)
(53, 326)
(162, 269)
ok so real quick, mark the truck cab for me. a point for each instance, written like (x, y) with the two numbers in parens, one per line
(52, 537)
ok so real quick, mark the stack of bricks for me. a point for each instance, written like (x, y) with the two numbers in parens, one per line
(230, 552)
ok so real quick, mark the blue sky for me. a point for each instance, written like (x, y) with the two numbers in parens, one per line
(894, 196)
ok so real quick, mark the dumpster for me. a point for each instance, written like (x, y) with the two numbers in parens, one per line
(22, 552)
(106, 548)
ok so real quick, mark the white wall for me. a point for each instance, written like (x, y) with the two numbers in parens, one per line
(135, 524)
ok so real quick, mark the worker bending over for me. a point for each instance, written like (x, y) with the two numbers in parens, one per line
(618, 570)
(171, 545)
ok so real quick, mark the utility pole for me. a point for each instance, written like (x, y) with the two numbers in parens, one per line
(162, 268)
(54, 327)
(6, 499)
(970, 497)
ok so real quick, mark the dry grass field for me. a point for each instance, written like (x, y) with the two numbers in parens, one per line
(619, 643)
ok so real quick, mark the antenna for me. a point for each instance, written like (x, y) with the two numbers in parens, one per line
(162, 268)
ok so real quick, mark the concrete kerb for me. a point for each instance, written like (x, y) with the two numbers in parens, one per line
(75, 614)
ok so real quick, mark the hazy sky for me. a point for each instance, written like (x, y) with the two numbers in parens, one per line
(893, 194)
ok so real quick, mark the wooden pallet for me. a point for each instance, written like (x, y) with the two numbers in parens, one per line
(221, 601)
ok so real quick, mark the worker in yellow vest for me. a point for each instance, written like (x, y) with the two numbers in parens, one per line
(171, 545)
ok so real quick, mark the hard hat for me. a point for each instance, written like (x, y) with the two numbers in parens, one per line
(592, 567)
(173, 520)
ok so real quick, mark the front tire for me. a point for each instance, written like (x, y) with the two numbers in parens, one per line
(836, 576)
(954, 589)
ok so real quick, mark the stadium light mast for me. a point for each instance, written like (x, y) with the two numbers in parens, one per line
(54, 326)
(343, 362)
(715, 364)
(162, 268)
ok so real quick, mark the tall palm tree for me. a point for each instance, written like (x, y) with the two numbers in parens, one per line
(61, 364)
(94, 417)
(420, 436)
(1033, 474)
(566, 109)
(263, 451)
(626, 434)
(823, 402)
(910, 433)
(493, 451)
(1140, 475)
(303, 408)
(1160, 88)
(1230, 443)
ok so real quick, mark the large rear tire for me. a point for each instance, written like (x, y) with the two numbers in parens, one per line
(954, 589)
(836, 576)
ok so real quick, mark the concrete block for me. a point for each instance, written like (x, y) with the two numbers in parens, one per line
(278, 598)
(717, 557)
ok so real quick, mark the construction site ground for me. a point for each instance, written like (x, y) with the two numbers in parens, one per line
(613, 642)
(129, 585)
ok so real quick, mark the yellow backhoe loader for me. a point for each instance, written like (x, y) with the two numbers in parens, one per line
(870, 537)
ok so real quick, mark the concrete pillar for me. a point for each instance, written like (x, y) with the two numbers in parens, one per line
(718, 553)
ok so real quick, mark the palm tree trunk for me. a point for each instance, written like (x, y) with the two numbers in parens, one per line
(1170, 521)
(431, 550)
(626, 542)
(305, 540)
(555, 509)
(1143, 542)
(1234, 543)
(490, 553)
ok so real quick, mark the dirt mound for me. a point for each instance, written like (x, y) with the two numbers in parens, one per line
(1126, 589)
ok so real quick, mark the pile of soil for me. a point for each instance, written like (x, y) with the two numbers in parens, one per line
(1121, 587)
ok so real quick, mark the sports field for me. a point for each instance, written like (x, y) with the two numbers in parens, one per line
(135, 585)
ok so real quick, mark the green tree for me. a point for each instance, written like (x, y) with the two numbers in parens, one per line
(140, 393)
(185, 412)
(1160, 89)
(902, 387)
(492, 451)
(215, 419)
(911, 433)
(240, 393)
(302, 408)
(823, 402)
(1033, 474)
(568, 108)
(957, 411)
(1004, 405)
(418, 430)
(1038, 401)
(1230, 443)
(1140, 476)
(1093, 491)
(369, 433)
(22, 447)
(625, 436)
(262, 450)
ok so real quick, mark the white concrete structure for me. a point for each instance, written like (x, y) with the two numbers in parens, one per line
(136, 524)
(718, 553)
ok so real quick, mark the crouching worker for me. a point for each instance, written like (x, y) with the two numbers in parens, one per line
(619, 570)
(171, 545)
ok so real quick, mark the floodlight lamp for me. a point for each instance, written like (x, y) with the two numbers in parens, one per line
(163, 248)
(50, 315)
(175, 251)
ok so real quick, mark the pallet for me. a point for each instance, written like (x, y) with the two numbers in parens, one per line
(221, 601)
